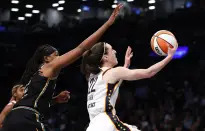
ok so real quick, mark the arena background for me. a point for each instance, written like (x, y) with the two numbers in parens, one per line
(173, 99)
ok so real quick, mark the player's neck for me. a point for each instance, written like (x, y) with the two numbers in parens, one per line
(107, 65)
(105, 68)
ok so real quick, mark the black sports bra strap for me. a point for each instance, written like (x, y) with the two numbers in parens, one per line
(106, 71)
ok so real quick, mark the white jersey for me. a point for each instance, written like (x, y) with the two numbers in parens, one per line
(101, 95)
(101, 101)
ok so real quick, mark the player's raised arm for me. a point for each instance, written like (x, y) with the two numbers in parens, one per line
(77, 52)
(135, 74)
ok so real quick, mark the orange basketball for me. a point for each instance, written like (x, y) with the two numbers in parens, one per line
(161, 40)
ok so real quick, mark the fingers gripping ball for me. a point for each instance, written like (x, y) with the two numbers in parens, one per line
(161, 40)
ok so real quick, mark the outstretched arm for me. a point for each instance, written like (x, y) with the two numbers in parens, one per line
(127, 74)
(77, 52)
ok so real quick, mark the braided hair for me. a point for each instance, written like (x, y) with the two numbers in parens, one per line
(36, 60)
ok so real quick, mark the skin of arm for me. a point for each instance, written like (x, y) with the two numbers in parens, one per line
(62, 97)
(123, 73)
(128, 57)
(136, 74)
(5, 111)
(73, 55)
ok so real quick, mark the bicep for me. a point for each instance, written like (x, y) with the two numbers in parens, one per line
(130, 75)
(67, 58)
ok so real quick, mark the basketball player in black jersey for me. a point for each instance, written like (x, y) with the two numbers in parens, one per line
(40, 79)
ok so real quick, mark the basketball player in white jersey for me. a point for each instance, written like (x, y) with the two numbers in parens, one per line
(103, 77)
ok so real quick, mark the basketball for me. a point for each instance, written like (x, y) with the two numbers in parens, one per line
(161, 40)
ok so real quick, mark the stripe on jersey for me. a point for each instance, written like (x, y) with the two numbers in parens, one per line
(42, 92)
(108, 109)
(37, 119)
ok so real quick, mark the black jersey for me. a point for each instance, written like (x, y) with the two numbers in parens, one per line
(28, 113)
(38, 93)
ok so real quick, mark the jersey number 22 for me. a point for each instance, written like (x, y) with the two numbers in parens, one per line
(92, 83)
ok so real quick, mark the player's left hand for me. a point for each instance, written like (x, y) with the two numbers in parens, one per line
(128, 57)
(63, 97)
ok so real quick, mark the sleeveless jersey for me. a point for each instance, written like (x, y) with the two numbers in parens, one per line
(38, 93)
(101, 96)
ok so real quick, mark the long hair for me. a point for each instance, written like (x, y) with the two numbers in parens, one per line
(36, 60)
(92, 59)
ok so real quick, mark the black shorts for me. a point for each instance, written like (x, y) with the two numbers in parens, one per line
(22, 120)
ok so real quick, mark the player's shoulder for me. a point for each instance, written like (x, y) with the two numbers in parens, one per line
(117, 69)
(113, 71)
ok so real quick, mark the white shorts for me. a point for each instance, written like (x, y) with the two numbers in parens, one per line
(108, 122)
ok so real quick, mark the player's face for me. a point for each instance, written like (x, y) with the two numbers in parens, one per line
(19, 93)
(52, 56)
(111, 55)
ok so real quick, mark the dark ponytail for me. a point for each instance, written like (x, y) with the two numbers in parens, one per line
(34, 63)
(92, 59)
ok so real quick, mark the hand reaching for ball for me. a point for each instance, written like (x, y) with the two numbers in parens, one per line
(171, 51)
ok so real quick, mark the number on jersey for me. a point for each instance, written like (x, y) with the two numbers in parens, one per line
(92, 83)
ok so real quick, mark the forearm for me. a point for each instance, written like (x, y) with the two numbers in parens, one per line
(6, 110)
(2, 117)
(71, 56)
(91, 40)
(158, 66)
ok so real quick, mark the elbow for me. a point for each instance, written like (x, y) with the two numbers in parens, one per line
(150, 74)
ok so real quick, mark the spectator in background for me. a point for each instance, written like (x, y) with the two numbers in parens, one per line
(17, 94)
